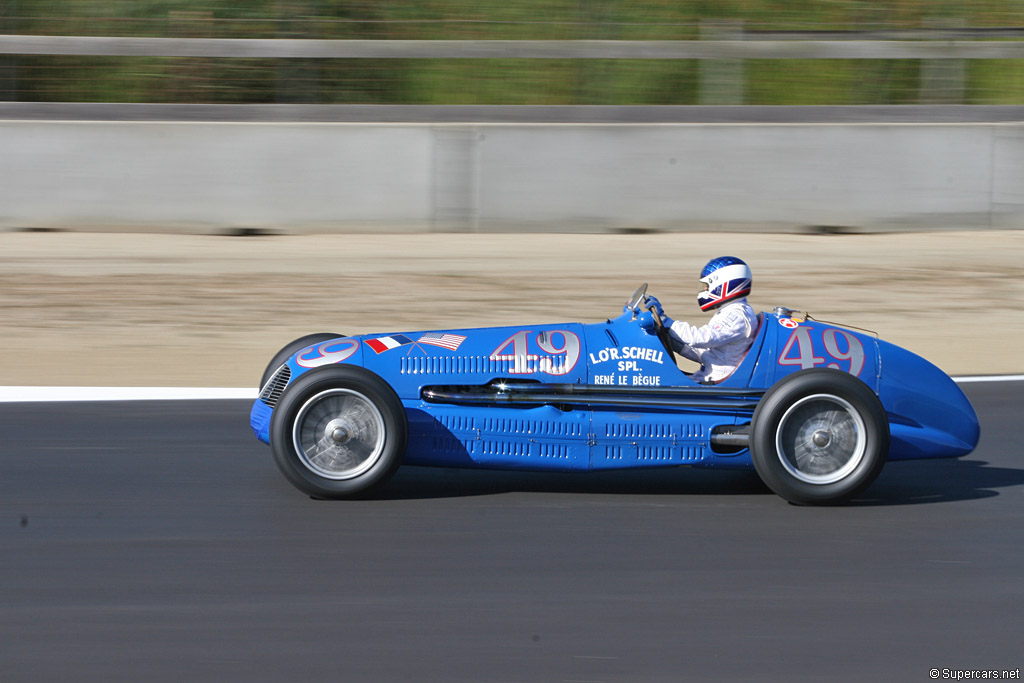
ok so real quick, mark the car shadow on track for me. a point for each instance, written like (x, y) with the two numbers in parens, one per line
(938, 481)
(431, 482)
(901, 483)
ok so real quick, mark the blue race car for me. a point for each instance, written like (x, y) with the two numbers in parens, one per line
(816, 409)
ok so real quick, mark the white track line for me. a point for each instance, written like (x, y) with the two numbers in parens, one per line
(989, 378)
(37, 394)
(56, 394)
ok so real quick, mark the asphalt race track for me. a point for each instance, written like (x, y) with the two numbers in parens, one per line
(157, 541)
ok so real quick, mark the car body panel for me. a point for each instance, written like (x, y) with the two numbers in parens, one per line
(608, 395)
(929, 414)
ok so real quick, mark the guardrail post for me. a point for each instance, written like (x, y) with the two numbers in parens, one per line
(721, 80)
(9, 63)
(942, 80)
(296, 82)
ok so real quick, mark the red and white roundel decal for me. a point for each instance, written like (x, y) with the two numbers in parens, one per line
(788, 323)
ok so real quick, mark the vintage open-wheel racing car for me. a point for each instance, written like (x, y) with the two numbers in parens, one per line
(815, 408)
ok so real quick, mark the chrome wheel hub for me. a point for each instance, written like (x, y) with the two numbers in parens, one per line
(339, 434)
(821, 439)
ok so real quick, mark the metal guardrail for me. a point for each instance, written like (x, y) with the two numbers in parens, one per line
(241, 48)
(508, 114)
(943, 31)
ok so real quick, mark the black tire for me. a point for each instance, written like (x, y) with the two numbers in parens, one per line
(289, 350)
(819, 436)
(338, 432)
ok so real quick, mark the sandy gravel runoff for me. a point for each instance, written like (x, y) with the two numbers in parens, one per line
(184, 310)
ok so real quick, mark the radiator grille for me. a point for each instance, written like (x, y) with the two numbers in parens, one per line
(271, 392)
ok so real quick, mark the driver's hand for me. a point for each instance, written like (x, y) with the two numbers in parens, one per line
(652, 302)
(646, 321)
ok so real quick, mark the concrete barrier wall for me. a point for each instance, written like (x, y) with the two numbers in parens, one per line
(301, 177)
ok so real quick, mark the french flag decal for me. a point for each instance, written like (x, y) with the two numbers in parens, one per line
(382, 344)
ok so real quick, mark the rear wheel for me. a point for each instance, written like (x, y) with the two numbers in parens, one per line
(338, 431)
(819, 436)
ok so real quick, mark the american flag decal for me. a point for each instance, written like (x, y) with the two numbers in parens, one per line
(442, 339)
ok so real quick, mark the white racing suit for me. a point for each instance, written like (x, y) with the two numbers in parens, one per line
(720, 345)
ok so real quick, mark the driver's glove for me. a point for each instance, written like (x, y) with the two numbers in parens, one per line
(652, 302)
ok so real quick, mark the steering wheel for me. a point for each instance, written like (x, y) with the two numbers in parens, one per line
(663, 336)
(633, 301)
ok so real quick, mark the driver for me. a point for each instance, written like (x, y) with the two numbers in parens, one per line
(720, 345)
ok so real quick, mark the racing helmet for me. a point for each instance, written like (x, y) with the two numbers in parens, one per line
(725, 278)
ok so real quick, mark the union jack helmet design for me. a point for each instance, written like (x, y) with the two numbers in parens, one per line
(725, 278)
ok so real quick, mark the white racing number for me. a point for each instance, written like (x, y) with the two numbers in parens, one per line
(854, 350)
(327, 353)
(799, 350)
(801, 338)
(558, 352)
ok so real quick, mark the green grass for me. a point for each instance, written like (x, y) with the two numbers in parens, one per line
(996, 81)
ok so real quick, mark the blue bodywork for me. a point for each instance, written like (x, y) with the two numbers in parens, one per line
(608, 395)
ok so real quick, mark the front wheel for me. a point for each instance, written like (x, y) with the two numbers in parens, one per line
(289, 350)
(338, 431)
(819, 436)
